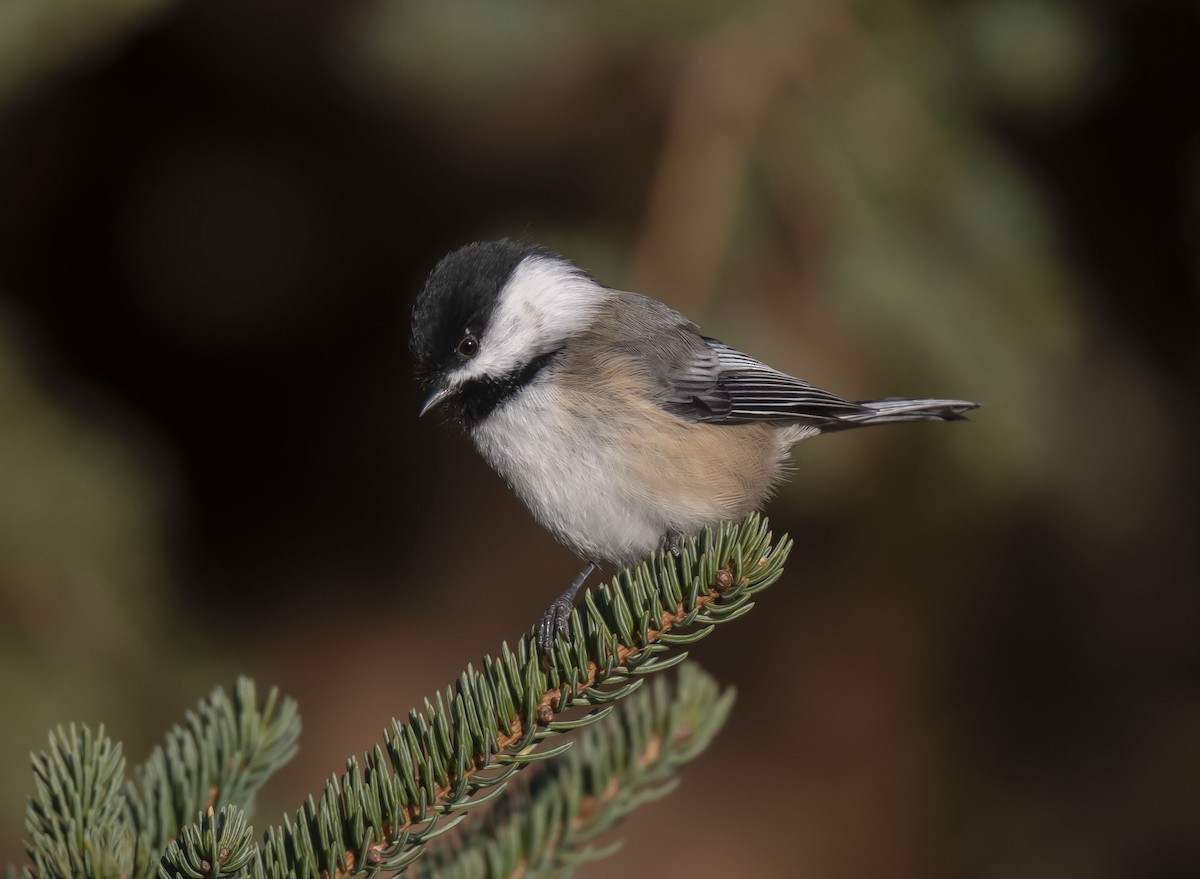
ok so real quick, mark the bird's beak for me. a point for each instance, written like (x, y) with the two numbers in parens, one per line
(435, 399)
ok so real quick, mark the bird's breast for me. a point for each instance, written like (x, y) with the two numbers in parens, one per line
(610, 477)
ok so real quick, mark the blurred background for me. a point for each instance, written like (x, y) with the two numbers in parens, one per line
(984, 657)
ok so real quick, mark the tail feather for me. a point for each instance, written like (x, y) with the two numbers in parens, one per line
(898, 409)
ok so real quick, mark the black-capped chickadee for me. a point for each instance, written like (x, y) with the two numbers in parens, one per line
(618, 424)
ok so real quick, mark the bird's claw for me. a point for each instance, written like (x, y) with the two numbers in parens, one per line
(671, 542)
(555, 621)
(557, 618)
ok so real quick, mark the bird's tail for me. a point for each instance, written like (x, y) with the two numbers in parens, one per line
(897, 409)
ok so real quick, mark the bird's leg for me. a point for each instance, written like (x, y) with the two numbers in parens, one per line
(557, 618)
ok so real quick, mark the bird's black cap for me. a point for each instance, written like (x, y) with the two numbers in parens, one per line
(460, 293)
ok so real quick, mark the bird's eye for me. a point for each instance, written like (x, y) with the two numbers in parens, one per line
(469, 346)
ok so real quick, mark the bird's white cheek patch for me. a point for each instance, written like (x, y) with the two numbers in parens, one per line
(544, 303)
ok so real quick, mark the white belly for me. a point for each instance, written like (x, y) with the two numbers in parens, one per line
(569, 477)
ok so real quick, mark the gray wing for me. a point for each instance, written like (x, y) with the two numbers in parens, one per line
(704, 380)
(719, 384)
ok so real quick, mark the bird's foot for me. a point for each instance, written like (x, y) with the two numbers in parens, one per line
(557, 618)
(669, 542)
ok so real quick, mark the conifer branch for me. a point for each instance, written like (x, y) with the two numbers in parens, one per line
(460, 752)
(548, 830)
(87, 820)
(74, 818)
(220, 846)
(454, 756)
(224, 752)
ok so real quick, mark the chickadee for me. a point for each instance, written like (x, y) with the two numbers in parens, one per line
(616, 422)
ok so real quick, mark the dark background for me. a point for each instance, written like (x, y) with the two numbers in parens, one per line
(984, 657)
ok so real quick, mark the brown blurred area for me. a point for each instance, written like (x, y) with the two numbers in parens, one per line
(984, 657)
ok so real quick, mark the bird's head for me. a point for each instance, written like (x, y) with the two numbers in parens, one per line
(489, 312)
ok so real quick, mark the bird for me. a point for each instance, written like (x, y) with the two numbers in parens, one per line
(615, 421)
